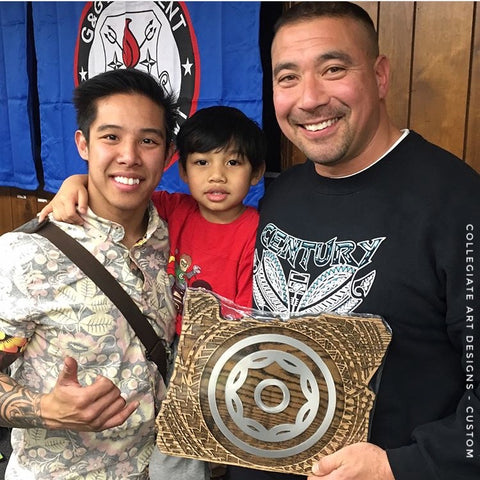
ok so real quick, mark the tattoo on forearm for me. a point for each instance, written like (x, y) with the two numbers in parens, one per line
(19, 407)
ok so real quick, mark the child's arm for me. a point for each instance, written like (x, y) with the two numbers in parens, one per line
(70, 201)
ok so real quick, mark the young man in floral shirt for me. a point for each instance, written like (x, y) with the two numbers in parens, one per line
(82, 396)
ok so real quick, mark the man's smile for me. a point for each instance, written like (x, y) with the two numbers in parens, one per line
(315, 127)
(127, 180)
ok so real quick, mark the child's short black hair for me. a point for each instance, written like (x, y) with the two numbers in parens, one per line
(129, 81)
(216, 128)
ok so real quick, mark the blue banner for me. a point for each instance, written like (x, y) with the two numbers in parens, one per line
(17, 165)
(55, 30)
(205, 52)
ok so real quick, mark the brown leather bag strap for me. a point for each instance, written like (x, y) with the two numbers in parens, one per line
(156, 350)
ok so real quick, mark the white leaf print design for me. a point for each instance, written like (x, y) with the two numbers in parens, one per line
(97, 325)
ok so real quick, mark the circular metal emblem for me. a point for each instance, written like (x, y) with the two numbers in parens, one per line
(266, 393)
(269, 394)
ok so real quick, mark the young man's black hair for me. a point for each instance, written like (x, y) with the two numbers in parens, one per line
(120, 81)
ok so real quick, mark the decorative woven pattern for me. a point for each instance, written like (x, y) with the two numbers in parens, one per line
(272, 395)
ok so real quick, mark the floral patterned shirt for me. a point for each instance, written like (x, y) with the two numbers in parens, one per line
(48, 302)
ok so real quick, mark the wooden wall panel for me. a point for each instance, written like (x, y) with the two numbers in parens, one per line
(440, 73)
(19, 206)
(6, 222)
(472, 144)
(24, 206)
(395, 36)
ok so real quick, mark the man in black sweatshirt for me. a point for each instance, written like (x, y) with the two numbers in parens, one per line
(377, 221)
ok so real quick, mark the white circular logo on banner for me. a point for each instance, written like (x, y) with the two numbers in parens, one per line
(154, 37)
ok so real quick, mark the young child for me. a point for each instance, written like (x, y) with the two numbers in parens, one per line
(212, 233)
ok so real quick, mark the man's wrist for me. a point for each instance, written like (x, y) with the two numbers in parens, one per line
(19, 407)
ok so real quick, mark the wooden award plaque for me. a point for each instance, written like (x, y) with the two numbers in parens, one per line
(267, 393)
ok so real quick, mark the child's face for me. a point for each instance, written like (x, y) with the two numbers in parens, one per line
(219, 180)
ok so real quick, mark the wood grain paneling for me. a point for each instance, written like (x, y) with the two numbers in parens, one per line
(472, 144)
(440, 72)
(24, 206)
(395, 35)
(6, 222)
(19, 206)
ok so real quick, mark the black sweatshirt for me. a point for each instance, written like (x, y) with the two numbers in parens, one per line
(401, 240)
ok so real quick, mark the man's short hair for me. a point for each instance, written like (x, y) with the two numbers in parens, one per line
(122, 81)
(304, 11)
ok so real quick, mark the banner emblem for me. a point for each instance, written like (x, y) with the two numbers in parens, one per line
(154, 37)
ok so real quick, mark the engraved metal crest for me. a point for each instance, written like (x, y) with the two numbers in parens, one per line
(268, 393)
